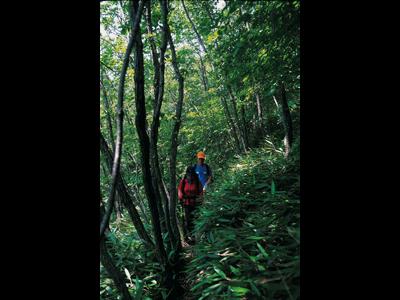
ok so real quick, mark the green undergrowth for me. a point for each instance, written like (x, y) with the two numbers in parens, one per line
(248, 234)
(137, 262)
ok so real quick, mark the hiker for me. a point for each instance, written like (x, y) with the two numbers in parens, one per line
(203, 171)
(188, 190)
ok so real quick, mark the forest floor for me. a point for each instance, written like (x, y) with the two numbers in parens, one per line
(249, 233)
(187, 256)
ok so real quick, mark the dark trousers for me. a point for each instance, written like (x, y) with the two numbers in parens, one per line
(189, 216)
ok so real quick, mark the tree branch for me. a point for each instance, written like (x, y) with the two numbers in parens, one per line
(120, 114)
(194, 27)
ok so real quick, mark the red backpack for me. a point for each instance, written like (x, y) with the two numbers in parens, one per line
(187, 192)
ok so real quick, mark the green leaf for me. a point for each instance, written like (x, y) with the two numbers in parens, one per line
(127, 274)
(294, 233)
(210, 237)
(139, 289)
(273, 187)
(261, 186)
(254, 289)
(234, 270)
(253, 258)
(204, 295)
(212, 287)
(202, 282)
(256, 238)
(262, 251)
(171, 254)
(165, 237)
(239, 291)
(220, 272)
(261, 268)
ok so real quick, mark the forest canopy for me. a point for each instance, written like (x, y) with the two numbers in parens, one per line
(176, 78)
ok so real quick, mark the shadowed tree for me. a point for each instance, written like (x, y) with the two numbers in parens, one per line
(120, 117)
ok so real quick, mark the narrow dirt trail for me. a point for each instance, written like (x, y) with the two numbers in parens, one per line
(187, 256)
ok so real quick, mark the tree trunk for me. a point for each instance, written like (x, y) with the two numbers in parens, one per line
(144, 141)
(154, 53)
(244, 126)
(124, 195)
(135, 194)
(231, 123)
(117, 276)
(136, 191)
(107, 109)
(194, 27)
(237, 121)
(287, 120)
(108, 263)
(118, 206)
(174, 141)
(260, 123)
(159, 88)
(120, 114)
(108, 115)
(156, 87)
(203, 73)
(202, 68)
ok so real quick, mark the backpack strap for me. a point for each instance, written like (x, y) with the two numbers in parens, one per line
(181, 189)
(183, 185)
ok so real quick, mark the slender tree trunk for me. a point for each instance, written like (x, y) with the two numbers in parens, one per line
(156, 87)
(159, 88)
(120, 114)
(124, 195)
(238, 135)
(118, 206)
(203, 73)
(287, 120)
(174, 141)
(144, 141)
(107, 109)
(135, 193)
(108, 115)
(202, 68)
(154, 53)
(117, 276)
(244, 126)
(237, 121)
(260, 123)
(106, 260)
(194, 27)
(135, 190)
(231, 124)
(267, 116)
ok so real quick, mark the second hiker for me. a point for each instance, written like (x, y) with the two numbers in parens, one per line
(203, 171)
(189, 190)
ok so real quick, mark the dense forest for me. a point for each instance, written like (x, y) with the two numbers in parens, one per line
(176, 78)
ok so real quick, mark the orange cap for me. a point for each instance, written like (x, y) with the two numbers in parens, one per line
(201, 154)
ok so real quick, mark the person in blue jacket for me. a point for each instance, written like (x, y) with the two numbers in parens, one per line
(203, 171)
